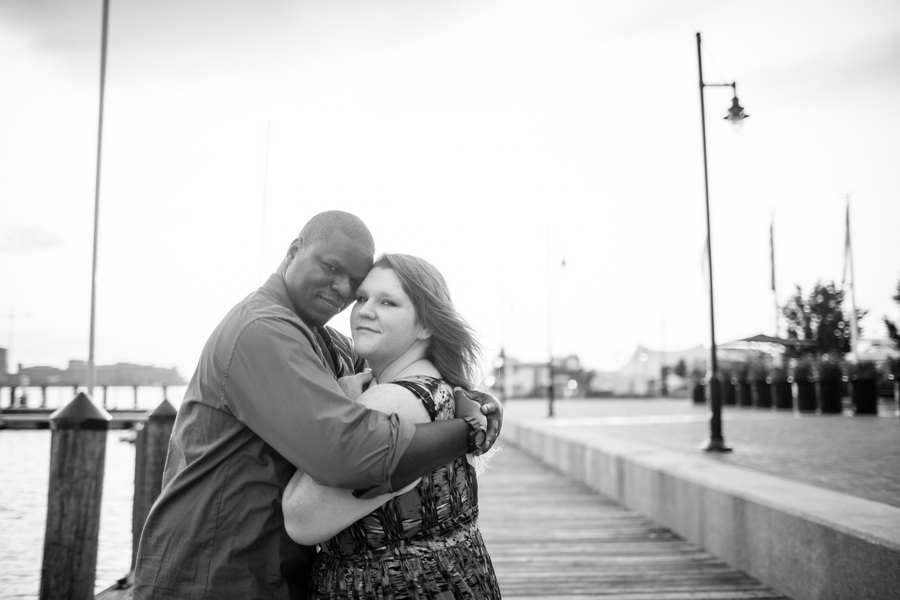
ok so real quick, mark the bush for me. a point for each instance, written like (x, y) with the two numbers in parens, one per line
(801, 369)
(890, 368)
(828, 369)
(741, 374)
(864, 370)
(777, 375)
(757, 372)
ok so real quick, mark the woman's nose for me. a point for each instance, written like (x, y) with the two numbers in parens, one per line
(365, 310)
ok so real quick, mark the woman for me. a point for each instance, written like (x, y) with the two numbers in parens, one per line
(423, 541)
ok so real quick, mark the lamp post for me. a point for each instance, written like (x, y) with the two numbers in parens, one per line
(715, 442)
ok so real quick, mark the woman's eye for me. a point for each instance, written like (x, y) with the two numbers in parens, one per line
(361, 299)
(388, 303)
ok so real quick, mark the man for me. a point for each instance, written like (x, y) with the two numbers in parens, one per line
(263, 401)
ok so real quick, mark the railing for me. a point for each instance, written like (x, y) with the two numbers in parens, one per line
(79, 431)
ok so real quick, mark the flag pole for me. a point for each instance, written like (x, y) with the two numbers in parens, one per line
(772, 261)
(91, 367)
(854, 327)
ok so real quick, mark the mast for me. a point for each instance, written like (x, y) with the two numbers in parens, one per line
(91, 368)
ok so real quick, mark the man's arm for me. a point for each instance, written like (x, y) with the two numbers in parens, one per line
(313, 512)
(281, 389)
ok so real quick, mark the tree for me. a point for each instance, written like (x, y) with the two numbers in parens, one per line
(893, 332)
(820, 317)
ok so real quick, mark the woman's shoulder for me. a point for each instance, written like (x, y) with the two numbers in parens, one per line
(435, 393)
(395, 399)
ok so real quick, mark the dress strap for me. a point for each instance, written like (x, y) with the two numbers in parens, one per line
(423, 388)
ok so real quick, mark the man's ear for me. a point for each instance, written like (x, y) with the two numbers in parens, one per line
(295, 247)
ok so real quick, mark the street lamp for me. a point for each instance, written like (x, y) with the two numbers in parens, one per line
(715, 442)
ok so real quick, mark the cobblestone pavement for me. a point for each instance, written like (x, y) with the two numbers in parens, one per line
(859, 456)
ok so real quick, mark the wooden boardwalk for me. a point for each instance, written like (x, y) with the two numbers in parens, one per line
(552, 538)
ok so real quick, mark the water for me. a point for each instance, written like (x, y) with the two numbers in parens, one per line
(24, 479)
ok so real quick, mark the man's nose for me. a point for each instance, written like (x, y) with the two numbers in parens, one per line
(341, 285)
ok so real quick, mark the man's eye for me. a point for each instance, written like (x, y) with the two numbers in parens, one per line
(329, 267)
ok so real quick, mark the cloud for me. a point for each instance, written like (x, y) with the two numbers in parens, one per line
(30, 238)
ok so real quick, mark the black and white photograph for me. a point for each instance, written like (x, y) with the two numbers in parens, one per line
(449, 299)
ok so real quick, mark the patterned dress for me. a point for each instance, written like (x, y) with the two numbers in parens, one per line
(422, 544)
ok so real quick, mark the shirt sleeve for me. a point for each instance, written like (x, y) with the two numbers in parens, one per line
(278, 385)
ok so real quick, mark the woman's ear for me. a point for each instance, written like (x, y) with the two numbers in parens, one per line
(424, 333)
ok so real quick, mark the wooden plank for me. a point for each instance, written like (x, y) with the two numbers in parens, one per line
(553, 538)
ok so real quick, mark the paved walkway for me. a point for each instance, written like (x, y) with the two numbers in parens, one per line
(859, 456)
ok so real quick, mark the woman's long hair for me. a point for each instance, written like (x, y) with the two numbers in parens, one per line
(453, 350)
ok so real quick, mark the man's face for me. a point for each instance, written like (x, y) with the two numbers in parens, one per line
(322, 276)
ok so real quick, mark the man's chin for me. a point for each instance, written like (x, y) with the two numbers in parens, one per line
(319, 319)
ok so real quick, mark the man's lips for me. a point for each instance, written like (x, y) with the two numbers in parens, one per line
(333, 302)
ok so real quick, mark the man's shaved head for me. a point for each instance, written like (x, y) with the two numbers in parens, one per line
(324, 224)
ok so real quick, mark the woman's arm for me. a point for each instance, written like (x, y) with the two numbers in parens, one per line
(312, 512)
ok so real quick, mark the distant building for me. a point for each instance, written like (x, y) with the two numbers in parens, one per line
(75, 374)
(516, 379)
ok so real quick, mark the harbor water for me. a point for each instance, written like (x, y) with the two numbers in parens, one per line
(24, 479)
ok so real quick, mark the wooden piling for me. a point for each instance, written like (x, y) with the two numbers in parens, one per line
(77, 457)
(43, 396)
(151, 446)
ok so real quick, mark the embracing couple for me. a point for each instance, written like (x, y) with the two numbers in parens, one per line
(304, 465)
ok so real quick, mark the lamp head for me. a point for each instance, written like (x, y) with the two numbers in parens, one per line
(736, 113)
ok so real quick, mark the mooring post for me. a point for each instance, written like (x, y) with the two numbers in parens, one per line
(151, 446)
(77, 457)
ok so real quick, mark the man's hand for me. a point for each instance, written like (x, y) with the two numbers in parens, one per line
(493, 410)
(354, 385)
(490, 409)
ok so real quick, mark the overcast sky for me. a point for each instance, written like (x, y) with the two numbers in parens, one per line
(491, 137)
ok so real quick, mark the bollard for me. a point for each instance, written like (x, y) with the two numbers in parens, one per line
(77, 455)
(151, 447)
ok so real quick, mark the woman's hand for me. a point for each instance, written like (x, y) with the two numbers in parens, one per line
(354, 385)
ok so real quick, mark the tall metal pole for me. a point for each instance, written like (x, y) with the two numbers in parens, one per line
(550, 321)
(91, 369)
(716, 442)
(854, 327)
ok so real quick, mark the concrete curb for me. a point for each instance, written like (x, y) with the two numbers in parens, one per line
(806, 542)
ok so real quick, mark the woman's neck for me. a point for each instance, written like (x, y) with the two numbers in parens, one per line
(408, 363)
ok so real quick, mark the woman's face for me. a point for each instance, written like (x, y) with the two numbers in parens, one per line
(383, 319)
